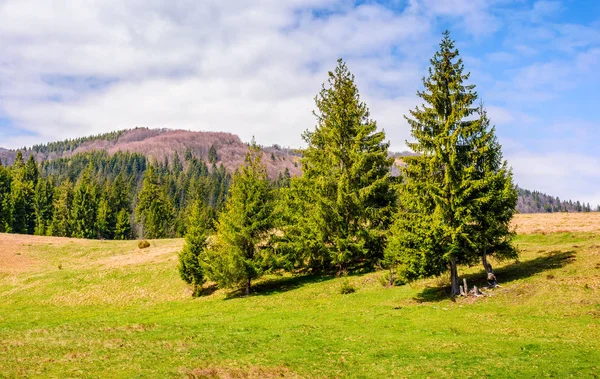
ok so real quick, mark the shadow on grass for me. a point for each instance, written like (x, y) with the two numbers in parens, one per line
(279, 285)
(515, 271)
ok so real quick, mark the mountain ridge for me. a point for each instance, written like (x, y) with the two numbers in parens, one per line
(161, 144)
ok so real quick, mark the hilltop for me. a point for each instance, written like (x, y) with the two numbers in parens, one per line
(160, 144)
(84, 308)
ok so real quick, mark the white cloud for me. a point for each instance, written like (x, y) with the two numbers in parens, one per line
(566, 175)
(251, 68)
(73, 68)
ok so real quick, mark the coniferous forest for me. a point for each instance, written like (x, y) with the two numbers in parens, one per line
(451, 204)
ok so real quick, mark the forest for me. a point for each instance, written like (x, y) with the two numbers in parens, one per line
(451, 204)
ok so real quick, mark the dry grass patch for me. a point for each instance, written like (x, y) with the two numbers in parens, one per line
(543, 223)
(253, 372)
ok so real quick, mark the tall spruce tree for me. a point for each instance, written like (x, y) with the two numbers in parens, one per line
(85, 205)
(44, 206)
(61, 220)
(154, 210)
(123, 226)
(457, 197)
(22, 210)
(244, 227)
(5, 181)
(345, 195)
(190, 258)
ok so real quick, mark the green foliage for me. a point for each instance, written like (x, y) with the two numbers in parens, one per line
(242, 251)
(190, 258)
(212, 154)
(5, 186)
(457, 198)
(104, 224)
(123, 225)
(347, 287)
(85, 205)
(44, 206)
(154, 210)
(344, 198)
(61, 219)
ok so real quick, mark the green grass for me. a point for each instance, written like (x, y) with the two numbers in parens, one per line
(113, 310)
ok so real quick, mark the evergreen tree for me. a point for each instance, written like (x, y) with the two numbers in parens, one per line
(154, 210)
(496, 197)
(85, 205)
(244, 225)
(190, 258)
(104, 223)
(123, 226)
(452, 207)
(177, 166)
(347, 196)
(212, 154)
(61, 220)
(44, 206)
(5, 185)
(31, 171)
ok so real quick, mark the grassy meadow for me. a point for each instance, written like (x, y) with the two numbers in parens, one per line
(82, 308)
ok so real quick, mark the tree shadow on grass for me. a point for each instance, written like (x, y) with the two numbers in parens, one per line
(277, 285)
(515, 271)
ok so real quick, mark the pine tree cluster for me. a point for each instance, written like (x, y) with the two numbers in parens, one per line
(97, 195)
(451, 203)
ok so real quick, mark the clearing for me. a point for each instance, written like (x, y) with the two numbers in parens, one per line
(81, 308)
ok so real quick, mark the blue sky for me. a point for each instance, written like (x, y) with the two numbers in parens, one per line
(75, 68)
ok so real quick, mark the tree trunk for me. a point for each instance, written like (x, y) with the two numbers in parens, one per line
(454, 278)
(248, 286)
(491, 278)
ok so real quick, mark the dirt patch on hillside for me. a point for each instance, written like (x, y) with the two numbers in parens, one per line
(141, 256)
(557, 222)
(13, 251)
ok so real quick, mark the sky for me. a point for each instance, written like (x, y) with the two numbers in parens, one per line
(81, 67)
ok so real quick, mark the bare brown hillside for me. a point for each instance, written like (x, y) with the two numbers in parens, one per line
(160, 143)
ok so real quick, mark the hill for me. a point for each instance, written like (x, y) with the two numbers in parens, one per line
(160, 144)
(83, 308)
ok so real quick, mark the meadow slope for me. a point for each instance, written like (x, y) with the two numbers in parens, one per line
(81, 308)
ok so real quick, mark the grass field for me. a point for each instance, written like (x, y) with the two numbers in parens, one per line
(78, 308)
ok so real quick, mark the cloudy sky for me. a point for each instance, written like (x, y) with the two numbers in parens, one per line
(80, 67)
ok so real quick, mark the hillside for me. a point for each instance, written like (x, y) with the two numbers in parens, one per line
(83, 308)
(158, 144)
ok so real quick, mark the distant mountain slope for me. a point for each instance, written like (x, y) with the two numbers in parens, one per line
(158, 144)
(538, 202)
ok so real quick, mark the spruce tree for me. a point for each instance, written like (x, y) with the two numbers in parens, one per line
(244, 226)
(104, 219)
(85, 205)
(457, 198)
(44, 206)
(346, 195)
(212, 154)
(190, 258)
(123, 225)
(22, 210)
(61, 220)
(5, 182)
(154, 210)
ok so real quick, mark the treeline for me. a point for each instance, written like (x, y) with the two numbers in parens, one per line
(451, 204)
(97, 195)
(69, 145)
(538, 202)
